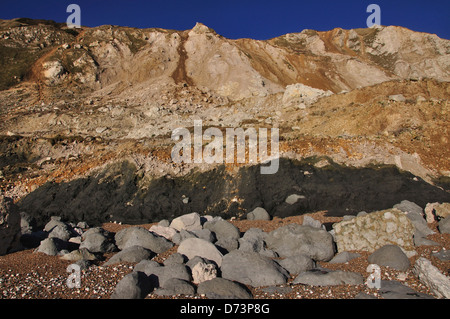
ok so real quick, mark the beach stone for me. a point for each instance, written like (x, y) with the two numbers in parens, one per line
(415, 214)
(223, 229)
(443, 255)
(258, 213)
(139, 236)
(444, 226)
(192, 247)
(309, 221)
(221, 288)
(51, 246)
(175, 258)
(187, 222)
(391, 256)
(328, 278)
(80, 254)
(343, 257)
(253, 241)
(294, 239)
(252, 269)
(293, 198)
(175, 286)
(374, 230)
(135, 285)
(61, 231)
(205, 234)
(166, 232)
(438, 283)
(182, 235)
(98, 240)
(130, 254)
(393, 289)
(10, 226)
(203, 272)
(297, 264)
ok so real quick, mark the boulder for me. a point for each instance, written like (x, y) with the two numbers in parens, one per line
(429, 275)
(79, 254)
(223, 229)
(309, 221)
(344, 257)
(163, 231)
(192, 247)
(98, 240)
(252, 269)
(175, 286)
(158, 274)
(258, 213)
(253, 241)
(203, 272)
(220, 288)
(329, 278)
(62, 232)
(175, 258)
(392, 289)
(133, 254)
(10, 226)
(182, 235)
(415, 214)
(293, 198)
(295, 239)
(51, 246)
(374, 230)
(139, 236)
(297, 264)
(187, 222)
(444, 226)
(135, 285)
(391, 256)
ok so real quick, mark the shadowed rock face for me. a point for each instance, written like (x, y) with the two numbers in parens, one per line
(120, 193)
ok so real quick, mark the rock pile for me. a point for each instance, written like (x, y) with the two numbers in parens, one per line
(215, 259)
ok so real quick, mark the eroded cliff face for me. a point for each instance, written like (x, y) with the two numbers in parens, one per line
(75, 101)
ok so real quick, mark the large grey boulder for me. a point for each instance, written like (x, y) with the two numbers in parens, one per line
(135, 285)
(416, 215)
(253, 240)
(139, 236)
(392, 289)
(159, 275)
(329, 278)
(61, 231)
(98, 240)
(187, 222)
(444, 225)
(252, 269)
(258, 213)
(391, 256)
(51, 246)
(10, 229)
(192, 247)
(175, 286)
(220, 288)
(130, 254)
(294, 239)
(223, 229)
(297, 264)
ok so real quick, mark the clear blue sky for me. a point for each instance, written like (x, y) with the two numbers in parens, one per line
(241, 18)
